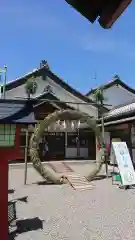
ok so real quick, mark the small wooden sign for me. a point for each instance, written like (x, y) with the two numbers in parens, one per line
(121, 154)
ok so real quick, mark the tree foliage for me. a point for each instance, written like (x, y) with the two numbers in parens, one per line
(31, 87)
(99, 95)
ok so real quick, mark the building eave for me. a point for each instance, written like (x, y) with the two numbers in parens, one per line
(120, 112)
(107, 12)
(16, 111)
(118, 121)
(110, 16)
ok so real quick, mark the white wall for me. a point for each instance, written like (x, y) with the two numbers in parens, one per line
(58, 91)
(72, 153)
(116, 95)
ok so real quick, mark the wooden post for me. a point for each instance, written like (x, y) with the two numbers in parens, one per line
(103, 136)
(26, 156)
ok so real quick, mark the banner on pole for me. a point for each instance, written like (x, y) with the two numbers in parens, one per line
(120, 153)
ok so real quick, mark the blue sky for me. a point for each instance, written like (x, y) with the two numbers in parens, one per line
(75, 49)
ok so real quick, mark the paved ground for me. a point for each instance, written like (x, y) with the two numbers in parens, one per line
(104, 213)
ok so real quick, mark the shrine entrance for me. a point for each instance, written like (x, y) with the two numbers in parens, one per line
(52, 146)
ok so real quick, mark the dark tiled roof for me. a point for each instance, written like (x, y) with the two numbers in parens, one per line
(16, 111)
(115, 81)
(121, 111)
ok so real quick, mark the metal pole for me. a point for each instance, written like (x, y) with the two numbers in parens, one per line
(78, 137)
(26, 157)
(0, 85)
(5, 81)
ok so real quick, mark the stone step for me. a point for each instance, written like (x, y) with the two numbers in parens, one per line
(60, 167)
(79, 182)
(89, 187)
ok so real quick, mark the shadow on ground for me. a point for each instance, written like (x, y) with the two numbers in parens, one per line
(11, 191)
(44, 183)
(26, 225)
(23, 199)
(101, 177)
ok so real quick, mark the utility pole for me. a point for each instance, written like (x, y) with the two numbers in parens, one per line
(78, 136)
(0, 85)
(5, 80)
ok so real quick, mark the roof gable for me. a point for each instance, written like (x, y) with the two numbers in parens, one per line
(46, 72)
(115, 81)
(51, 99)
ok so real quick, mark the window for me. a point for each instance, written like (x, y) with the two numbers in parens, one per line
(83, 137)
(72, 139)
(7, 135)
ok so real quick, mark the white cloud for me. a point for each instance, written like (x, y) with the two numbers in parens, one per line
(101, 41)
(113, 45)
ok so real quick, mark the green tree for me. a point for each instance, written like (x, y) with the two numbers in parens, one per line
(30, 87)
(99, 96)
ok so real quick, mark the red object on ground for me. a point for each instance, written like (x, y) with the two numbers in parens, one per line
(6, 154)
(4, 198)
